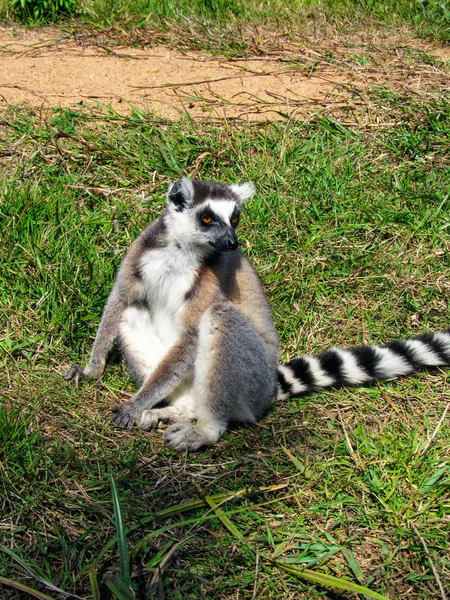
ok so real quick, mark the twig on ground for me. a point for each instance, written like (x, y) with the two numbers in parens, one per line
(255, 586)
(433, 568)
(438, 426)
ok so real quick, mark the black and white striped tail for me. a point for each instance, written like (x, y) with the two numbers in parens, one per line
(362, 364)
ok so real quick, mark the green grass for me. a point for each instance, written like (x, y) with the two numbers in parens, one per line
(349, 231)
(235, 27)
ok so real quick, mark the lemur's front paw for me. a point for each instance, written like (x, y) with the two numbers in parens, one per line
(90, 371)
(73, 374)
(126, 415)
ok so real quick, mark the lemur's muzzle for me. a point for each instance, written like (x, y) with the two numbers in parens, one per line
(227, 242)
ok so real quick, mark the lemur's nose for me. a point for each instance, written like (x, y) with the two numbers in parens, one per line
(232, 244)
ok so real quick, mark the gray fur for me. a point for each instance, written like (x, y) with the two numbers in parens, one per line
(104, 341)
(240, 382)
(246, 392)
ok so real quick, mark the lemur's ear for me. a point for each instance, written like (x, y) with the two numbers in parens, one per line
(243, 191)
(180, 194)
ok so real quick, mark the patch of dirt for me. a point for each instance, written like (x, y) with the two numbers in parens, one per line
(45, 68)
(442, 54)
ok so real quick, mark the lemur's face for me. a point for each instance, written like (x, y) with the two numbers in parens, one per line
(217, 221)
(205, 214)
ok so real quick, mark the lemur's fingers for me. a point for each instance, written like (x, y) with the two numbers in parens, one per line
(124, 421)
(73, 374)
(150, 419)
(123, 416)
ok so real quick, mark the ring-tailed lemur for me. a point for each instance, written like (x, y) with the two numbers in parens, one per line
(197, 333)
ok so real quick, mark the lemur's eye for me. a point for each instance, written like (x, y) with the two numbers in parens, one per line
(206, 220)
(234, 220)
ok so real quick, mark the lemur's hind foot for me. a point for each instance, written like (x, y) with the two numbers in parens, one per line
(183, 435)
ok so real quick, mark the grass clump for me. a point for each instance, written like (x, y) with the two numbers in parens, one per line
(43, 10)
(236, 27)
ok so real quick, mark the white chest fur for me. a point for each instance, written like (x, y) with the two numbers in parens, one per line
(167, 276)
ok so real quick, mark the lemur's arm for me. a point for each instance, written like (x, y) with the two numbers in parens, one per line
(104, 340)
(171, 371)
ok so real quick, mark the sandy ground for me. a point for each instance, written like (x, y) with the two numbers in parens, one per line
(44, 68)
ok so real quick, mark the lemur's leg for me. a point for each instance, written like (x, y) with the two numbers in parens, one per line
(104, 340)
(206, 392)
(142, 352)
(233, 379)
(167, 376)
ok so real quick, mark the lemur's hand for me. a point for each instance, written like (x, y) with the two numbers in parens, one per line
(91, 371)
(127, 414)
(73, 374)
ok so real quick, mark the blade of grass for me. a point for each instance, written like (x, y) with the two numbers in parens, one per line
(121, 535)
(186, 507)
(353, 564)
(224, 519)
(220, 498)
(433, 568)
(159, 556)
(120, 589)
(24, 588)
(321, 560)
(39, 578)
(94, 582)
(329, 580)
(163, 560)
(198, 521)
(297, 464)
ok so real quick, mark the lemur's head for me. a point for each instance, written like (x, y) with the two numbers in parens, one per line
(206, 213)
